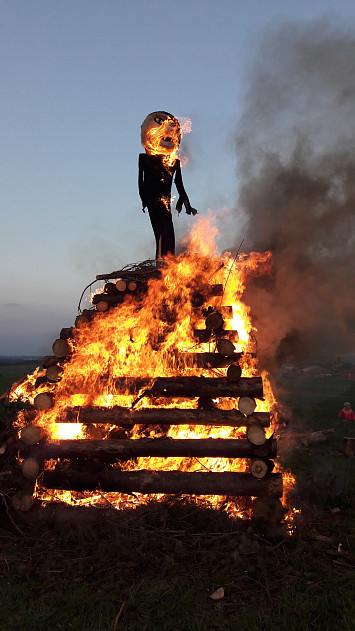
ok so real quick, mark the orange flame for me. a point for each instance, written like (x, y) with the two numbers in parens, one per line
(142, 337)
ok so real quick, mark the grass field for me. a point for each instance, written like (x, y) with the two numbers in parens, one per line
(154, 569)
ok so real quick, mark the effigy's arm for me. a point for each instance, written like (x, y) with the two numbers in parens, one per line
(183, 198)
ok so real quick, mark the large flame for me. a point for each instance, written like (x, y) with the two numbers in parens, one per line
(144, 338)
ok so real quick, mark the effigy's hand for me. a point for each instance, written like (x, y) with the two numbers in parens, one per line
(189, 209)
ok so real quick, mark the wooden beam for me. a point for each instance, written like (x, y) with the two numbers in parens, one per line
(170, 482)
(161, 416)
(190, 387)
(113, 449)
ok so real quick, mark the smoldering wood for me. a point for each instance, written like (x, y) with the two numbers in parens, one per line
(207, 360)
(190, 387)
(205, 335)
(125, 449)
(161, 416)
(170, 482)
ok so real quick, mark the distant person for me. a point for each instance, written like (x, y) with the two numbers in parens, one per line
(347, 414)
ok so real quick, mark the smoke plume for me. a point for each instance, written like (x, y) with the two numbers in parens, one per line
(296, 170)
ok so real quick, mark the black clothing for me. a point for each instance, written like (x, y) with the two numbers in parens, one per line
(154, 183)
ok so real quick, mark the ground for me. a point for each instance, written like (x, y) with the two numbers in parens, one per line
(155, 568)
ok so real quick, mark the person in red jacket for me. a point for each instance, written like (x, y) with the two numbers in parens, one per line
(347, 414)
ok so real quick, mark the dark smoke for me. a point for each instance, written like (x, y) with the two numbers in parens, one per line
(296, 168)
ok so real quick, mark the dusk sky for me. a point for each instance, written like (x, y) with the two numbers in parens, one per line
(78, 78)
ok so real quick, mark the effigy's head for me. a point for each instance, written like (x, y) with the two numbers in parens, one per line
(161, 134)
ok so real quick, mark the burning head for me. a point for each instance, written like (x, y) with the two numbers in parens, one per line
(161, 134)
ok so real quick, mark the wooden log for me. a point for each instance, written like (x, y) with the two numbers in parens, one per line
(226, 311)
(67, 333)
(111, 289)
(102, 306)
(246, 405)
(256, 435)
(112, 300)
(225, 347)
(349, 446)
(190, 387)
(208, 360)
(43, 401)
(161, 416)
(22, 501)
(118, 449)
(268, 509)
(60, 348)
(30, 434)
(204, 335)
(84, 318)
(121, 285)
(30, 468)
(259, 468)
(234, 371)
(146, 271)
(214, 321)
(52, 360)
(170, 482)
(54, 373)
(132, 286)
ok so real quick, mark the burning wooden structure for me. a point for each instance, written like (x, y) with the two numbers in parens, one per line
(138, 398)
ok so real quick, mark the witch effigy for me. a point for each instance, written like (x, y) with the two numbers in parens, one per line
(158, 167)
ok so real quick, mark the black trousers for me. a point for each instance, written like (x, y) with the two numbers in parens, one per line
(163, 228)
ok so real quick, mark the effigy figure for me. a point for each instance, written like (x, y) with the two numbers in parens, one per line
(158, 167)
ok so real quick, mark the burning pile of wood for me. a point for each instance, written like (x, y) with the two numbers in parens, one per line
(120, 437)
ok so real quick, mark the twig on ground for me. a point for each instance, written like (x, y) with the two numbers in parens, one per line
(118, 615)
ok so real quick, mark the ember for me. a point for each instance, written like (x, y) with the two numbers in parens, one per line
(143, 384)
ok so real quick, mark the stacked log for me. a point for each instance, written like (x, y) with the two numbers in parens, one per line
(107, 454)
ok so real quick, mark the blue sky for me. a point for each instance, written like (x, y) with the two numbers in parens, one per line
(77, 80)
